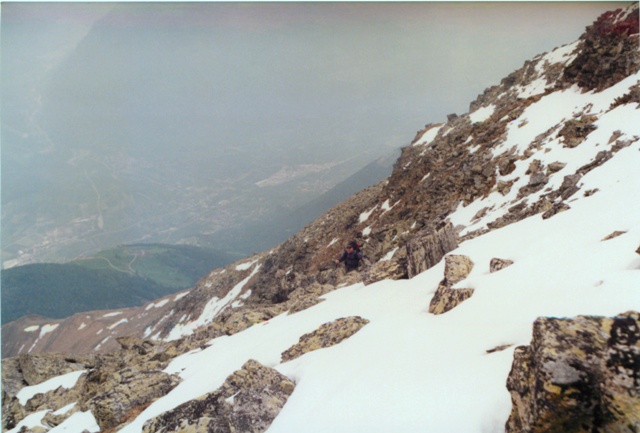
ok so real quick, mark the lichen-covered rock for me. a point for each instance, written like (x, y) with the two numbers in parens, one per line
(326, 335)
(40, 367)
(575, 131)
(12, 411)
(497, 264)
(569, 186)
(579, 375)
(124, 391)
(446, 299)
(456, 269)
(556, 209)
(392, 269)
(248, 402)
(308, 297)
(28, 370)
(426, 249)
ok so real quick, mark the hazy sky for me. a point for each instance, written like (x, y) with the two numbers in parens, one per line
(226, 94)
(423, 58)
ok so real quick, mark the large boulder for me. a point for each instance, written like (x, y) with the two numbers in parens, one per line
(37, 368)
(248, 402)
(125, 391)
(394, 268)
(578, 375)
(456, 269)
(426, 249)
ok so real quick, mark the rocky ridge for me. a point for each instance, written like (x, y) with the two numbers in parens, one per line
(404, 225)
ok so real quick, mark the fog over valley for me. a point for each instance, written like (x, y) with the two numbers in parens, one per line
(230, 125)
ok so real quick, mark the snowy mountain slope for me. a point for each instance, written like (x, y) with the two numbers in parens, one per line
(406, 369)
(542, 172)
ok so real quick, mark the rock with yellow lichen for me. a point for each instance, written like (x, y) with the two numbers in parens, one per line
(326, 335)
(578, 375)
(456, 268)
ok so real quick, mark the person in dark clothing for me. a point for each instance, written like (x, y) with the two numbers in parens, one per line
(351, 257)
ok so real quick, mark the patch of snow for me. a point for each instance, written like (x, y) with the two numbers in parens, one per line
(474, 149)
(67, 381)
(482, 114)
(182, 295)
(33, 328)
(78, 422)
(30, 422)
(386, 206)
(365, 215)
(540, 85)
(115, 313)
(564, 54)
(428, 136)
(211, 310)
(104, 340)
(245, 266)
(65, 409)
(389, 255)
(366, 231)
(158, 304)
(119, 322)
(47, 329)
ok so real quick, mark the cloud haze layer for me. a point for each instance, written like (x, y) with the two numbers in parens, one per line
(127, 111)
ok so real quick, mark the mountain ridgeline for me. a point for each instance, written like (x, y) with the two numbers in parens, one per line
(122, 277)
(533, 147)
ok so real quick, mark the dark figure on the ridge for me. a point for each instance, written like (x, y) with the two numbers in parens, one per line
(351, 257)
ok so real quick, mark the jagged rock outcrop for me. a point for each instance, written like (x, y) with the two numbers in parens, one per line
(456, 269)
(327, 335)
(578, 375)
(394, 268)
(607, 53)
(248, 401)
(36, 369)
(122, 392)
(112, 386)
(425, 250)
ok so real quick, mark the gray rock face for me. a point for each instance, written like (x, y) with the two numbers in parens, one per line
(425, 250)
(393, 269)
(248, 401)
(578, 375)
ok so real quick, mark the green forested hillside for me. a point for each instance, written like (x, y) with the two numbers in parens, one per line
(122, 277)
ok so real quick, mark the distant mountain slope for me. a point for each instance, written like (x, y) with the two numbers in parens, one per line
(126, 276)
(266, 234)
